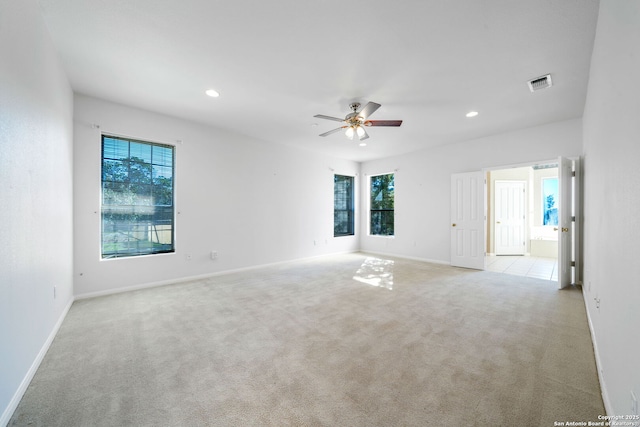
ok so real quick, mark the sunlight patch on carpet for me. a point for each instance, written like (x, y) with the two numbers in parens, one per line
(376, 272)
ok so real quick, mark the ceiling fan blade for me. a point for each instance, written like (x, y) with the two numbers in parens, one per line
(368, 110)
(322, 116)
(383, 123)
(332, 131)
(365, 135)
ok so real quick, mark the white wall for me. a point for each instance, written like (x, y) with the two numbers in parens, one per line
(251, 201)
(36, 192)
(423, 181)
(612, 201)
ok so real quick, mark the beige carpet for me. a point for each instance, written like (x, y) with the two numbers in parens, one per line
(349, 340)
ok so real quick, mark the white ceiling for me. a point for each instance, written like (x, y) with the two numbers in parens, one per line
(277, 63)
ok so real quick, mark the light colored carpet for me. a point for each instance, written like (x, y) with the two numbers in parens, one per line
(348, 340)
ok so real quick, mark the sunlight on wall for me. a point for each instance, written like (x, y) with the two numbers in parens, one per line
(376, 272)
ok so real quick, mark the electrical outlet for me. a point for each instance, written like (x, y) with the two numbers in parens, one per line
(188, 257)
(634, 404)
(214, 255)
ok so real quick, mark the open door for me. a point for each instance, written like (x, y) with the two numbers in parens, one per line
(565, 225)
(467, 220)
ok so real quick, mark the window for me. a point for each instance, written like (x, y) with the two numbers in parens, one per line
(137, 198)
(342, 205)
(550, 200)
(382, 195)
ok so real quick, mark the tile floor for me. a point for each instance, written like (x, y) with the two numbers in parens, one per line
(541, 268)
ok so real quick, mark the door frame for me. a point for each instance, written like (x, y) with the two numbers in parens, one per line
(577, 208)
(566, 178)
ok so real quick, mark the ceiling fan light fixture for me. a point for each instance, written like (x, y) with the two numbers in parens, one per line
(350, 132)
(212, 93)
(353, 124)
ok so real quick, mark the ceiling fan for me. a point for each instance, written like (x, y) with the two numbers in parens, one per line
(355, 121)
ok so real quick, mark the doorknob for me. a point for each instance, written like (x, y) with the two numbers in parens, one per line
(555, 228)
(565, 230)
(453, 225)
(497, 222)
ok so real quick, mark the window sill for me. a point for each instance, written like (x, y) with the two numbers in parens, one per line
(159, 254)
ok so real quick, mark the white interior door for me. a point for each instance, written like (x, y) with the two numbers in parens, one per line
(509, 217)
(467, 220)
(565, 226)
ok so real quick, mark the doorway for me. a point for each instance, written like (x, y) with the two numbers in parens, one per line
(522, 221)
(471, 217)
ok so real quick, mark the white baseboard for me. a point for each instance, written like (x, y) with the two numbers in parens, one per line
(603, 387)
(197, 277)
(17, 397)
(433, 261)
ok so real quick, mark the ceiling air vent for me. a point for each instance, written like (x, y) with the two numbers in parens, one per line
(539, 83)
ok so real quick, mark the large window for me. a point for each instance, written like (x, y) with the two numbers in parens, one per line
(381, 205)
(342, 205)
(137, 197)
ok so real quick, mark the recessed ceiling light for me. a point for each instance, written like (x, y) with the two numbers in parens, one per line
(212, 93)
(472, 114)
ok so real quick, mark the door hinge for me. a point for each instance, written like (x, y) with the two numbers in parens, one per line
(573, 173)
(573, 263)
(573, 219)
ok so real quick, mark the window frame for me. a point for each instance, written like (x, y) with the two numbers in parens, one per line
(136, 185)
(381, 211)
(350, 208)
